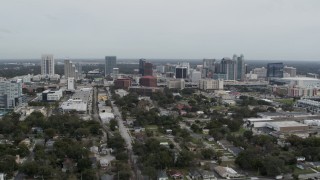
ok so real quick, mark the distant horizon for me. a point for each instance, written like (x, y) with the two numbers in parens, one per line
(157, 59)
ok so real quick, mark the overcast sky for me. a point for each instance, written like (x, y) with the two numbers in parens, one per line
(186, 29)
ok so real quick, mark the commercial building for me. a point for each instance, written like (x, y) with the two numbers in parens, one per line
(123, 83)
(261, 72)
(291, 71)
(51, 95)
(176, 84)
(72, 70)
(79, 101)
(210, 84)
(141, 66)
(181, 72)
(299, 81)
(10, 94)
(195, 76)
(110, 63)
(185, 64)
(74, 105)
(287, 126)
(275, 70)
(47, 64)
(310, 105)
(148, 81)
(148, 69)
(71, 83)
(115, 73)
(229, 67)
(161, 69)
(145, 68)
(240, 67)
(208, 68)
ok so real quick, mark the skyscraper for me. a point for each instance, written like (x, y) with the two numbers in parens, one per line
(47, 64)
(229, 68)
(145, 68)
(148, 69)
(275, 70)
(111, 62)
(208, 68)
(181, 72)
(240, 68)
(141, 66)
(71, 70)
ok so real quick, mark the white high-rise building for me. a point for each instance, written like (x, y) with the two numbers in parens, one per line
(10, 93)
(47, 64)
(195, 76)
(115, 73)
(71, 83)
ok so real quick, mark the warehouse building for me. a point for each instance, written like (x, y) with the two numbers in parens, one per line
(287, 126)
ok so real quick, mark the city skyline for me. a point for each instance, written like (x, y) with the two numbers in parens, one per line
(275, 30)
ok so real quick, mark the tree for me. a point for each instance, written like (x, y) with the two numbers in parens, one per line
(273, 166)
(248, 134)
(84, 164)
(184, 159)
(30, 168)
(50, 132)
(208, 153)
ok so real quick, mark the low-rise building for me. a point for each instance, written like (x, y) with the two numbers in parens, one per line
(176, 84)
(287, 126)
(227, 172)
(51, 95)
(210, 84)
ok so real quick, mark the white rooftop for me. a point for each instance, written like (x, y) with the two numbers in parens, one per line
(286, 124)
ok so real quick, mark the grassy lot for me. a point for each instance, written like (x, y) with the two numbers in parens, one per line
(298, 171)
(288, 101)
(240, 132)
(152, 128)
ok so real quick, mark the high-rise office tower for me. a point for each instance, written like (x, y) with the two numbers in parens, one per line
(71, 70)
(185, 64)
(47, 64)
(145, 68)
(111, 62)
(148, 69)
(229, 68)
(240, 68)
(291, 71)
(208, 68)
(141, 66)
(275, 70)
(181, 72)
(115, 73)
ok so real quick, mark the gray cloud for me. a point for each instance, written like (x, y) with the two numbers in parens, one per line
(264, 29)
(5, 31)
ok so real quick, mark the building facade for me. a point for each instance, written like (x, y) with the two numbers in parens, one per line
(110, 63)
(181, 72)
(229, 67)
(210, 84)
(10, 94)
(72, 70)
(275, 70)
(47, 64)
(176, 84)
